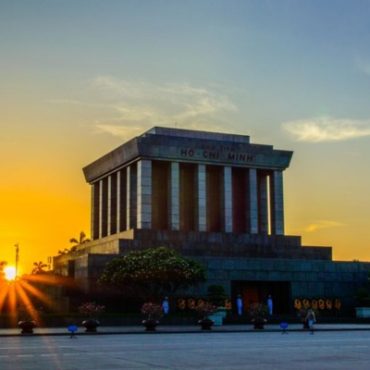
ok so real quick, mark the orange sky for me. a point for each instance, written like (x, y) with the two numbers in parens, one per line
(77, 81)
(45, 201)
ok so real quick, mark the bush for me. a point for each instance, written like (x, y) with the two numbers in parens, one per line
(91, 309)
(205, 308)
(216, 295)
(152, 311)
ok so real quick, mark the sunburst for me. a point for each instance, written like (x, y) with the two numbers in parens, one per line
(18, 296)
(10, 273)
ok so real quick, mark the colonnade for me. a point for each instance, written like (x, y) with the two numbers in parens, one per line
(165, 195)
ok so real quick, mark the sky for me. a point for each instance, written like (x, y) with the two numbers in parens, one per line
(79, 78)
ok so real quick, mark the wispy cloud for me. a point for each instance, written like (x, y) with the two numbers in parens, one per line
(142, 104)
(323, 129)
(124, 132)
(322, 224)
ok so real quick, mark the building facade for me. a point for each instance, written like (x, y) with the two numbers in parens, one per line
(215, 197)
(170, 179)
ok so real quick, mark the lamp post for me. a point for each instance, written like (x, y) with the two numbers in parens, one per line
(16, 258)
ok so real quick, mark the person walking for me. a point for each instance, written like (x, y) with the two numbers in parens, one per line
(239, 304)
(165, 306)
(310, 319)
(270, 305)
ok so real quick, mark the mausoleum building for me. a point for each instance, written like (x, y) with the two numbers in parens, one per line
(215, 197)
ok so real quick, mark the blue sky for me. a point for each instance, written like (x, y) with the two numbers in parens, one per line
(300, 58)
(80, 77)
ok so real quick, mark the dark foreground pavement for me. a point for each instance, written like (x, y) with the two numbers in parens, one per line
(339, 350)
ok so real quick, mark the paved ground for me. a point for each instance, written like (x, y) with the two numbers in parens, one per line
(339, 350)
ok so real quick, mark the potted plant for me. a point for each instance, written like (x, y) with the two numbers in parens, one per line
(26, 322)
(205, 309)
(217, 296)
(152, 312)
(27, 326)
(92, 311)
(258, 314)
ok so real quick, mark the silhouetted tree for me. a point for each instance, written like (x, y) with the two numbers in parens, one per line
(152, 272)
(81, 240)
(63, 251)
(38, 267)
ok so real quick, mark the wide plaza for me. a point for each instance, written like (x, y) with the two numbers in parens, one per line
(224, 350)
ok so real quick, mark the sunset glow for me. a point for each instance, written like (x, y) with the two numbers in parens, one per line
(290, 74)
(25, 295)
(10, 273)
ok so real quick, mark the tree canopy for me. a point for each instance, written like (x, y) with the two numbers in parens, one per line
(153, 272)
(81, 239)
(39, 267)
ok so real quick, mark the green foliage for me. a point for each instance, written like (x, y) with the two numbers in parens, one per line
(216, 295)
(205, 309)
(91, 309)
(152, 272)
(152, 311)
(258, 312)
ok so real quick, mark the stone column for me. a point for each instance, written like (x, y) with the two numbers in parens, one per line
(118, 202)
(277, 203)
(131, 196)
(262, 203)
(100, 209)
(228, 200)
(175, 196)
(94, 213)
(201, 197)
(144, 194)
(129, 203)
(252, 202)
(109, 205)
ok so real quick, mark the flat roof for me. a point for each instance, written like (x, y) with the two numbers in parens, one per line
(192, 146)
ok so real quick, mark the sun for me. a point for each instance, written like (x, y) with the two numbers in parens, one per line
(10, 273)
